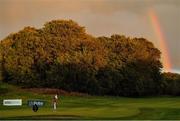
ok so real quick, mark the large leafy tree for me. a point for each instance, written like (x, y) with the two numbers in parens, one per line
(63, 55)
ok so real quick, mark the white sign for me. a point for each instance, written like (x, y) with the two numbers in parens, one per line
(12, 102)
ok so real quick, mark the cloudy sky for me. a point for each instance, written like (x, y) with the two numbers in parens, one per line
(100, 17)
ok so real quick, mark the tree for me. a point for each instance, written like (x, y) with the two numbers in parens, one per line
(171, 84)
(62, 55)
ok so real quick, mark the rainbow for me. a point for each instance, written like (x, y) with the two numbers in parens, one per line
(161, 39)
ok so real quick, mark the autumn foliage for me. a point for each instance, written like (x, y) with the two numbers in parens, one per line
(62, 55)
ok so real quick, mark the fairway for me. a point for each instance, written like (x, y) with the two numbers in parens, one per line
(90, 107)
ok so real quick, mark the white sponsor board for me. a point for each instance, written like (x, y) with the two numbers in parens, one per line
(12, 102)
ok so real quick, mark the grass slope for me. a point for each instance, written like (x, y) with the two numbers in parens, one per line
(89, 107)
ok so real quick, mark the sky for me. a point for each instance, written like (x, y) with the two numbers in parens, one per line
(102, 18)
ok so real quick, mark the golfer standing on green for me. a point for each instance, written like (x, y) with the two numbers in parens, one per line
(55, 99)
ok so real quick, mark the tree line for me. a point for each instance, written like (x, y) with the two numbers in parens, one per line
(62, 55)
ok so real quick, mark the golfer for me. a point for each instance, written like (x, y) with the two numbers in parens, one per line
(55, 99)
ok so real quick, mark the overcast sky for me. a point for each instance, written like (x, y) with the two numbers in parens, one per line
(100, 17)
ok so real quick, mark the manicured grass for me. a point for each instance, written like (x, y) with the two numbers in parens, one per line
(91, 107)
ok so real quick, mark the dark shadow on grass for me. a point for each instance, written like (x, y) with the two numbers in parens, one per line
(44, 117)
(156, 114)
